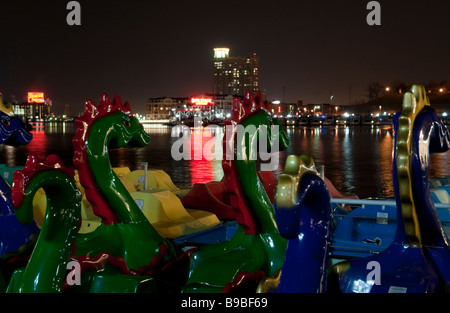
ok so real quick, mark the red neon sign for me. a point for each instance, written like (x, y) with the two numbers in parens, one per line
(36, 97)
(202, 101)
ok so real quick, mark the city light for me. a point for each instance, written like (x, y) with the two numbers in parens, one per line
(220, 53)
(202, 101)
(35, 97)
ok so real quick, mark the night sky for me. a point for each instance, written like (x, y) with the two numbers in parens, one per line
(142, 49)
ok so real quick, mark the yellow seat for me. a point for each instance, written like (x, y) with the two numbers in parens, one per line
(167, 214)
(157, 179)
(162, 207)
(121, 171)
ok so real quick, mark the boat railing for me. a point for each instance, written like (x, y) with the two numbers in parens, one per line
(382, 202)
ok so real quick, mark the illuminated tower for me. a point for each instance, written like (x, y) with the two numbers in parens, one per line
(234, 75)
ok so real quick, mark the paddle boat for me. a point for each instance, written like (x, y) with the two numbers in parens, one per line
(158, 198)
(125, 252)
(370, 226)
(154, 193)
(415, 260)
(285, 247)
(124, 241)
(13, 235)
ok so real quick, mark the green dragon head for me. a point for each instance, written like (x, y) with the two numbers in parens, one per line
(124, 130)
(253, 115)
(108, 125)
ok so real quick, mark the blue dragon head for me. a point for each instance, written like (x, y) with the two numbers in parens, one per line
(13, 131)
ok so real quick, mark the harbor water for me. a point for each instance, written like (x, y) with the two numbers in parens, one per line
(357, 159)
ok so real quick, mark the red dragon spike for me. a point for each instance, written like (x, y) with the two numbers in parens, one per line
(127, 108)
(117, 101)
(93, 112)
(90, 109)
(248, 101)
(104, 100)
(249, 105)
(258, 99)
(266, 106)
(236, 112)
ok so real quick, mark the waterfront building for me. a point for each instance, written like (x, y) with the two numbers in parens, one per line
(205, 105)
(320, 109)
(33, 112)
(222, 105)
(162, 108)
(234, 75)
(279, 108)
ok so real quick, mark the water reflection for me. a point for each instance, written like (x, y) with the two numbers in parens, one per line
(356, 159)
(202, 150)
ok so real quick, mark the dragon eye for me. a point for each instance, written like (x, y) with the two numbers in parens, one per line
(6, 122)
(126, 123)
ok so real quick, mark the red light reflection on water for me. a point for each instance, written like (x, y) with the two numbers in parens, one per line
(203, 170)
(39, 145)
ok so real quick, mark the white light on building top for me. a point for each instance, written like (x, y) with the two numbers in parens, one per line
(220, 53)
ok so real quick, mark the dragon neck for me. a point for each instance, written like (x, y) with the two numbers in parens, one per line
(122, 220)
(418, 132)
(57, 237)
(256, 203)
(256, 197)
(109, 198)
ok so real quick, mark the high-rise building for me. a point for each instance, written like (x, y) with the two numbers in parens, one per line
(234, 75)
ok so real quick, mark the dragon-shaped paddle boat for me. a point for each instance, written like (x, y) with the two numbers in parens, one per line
(256, 249)
(303, 211)
(418, 257)
(125, 253)
(125, 242)
(14, 236)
